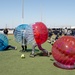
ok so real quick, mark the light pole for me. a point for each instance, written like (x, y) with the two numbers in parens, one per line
(23, 11)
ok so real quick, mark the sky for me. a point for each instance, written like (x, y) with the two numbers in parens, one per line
(53, 13)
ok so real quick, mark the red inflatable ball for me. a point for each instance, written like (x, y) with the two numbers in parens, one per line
(63, 52)
(40, 32)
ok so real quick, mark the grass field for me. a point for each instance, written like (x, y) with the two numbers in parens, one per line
(11, 62)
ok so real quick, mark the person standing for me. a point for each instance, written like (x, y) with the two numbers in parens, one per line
(24, 41)
(5, 31)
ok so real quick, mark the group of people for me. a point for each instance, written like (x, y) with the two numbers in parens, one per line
(44, 52)
(24, 46)
(58, 33)
(24, 42)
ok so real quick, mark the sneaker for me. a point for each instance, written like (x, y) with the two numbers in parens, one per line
(32, 55)
(45, 54)
(15, 48)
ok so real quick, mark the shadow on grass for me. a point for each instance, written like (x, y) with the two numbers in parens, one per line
(52, 59)
(62, 67)
(43, 54)
(6, 50)
(29, 50)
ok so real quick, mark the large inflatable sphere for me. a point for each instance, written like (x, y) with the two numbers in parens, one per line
(3, 42)
(23, 31)
(40, 32)
(63, 52)
(37, 31)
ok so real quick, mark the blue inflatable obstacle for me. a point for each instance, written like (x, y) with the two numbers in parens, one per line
(3, 42)
(22, 32)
